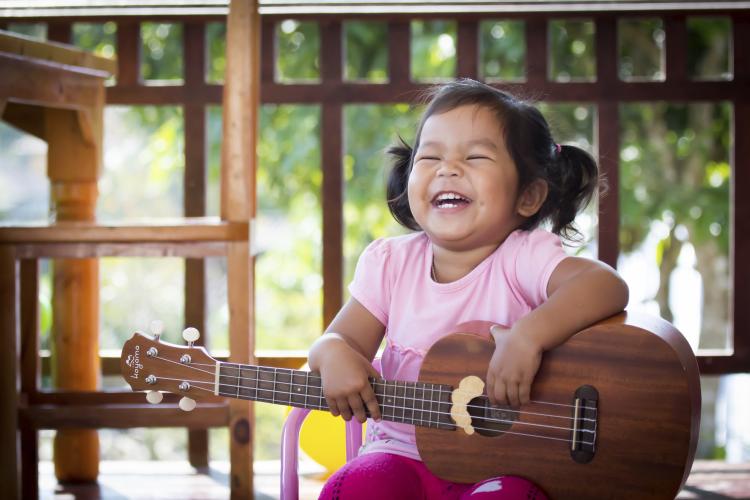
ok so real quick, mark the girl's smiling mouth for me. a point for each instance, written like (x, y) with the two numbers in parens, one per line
(450, 199)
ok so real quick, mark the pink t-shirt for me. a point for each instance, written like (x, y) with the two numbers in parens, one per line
(392, 281)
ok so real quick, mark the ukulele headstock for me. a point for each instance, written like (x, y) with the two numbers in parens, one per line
(150, 364)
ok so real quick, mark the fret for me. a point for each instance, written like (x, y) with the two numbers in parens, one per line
(237, 388)
(283, 385)
(432, 406)
(421, 400)
(307, 387)
(297, 389)
(273, 387)
(410, 406)
(257, 378)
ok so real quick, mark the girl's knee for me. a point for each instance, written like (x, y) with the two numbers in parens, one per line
(373, 476)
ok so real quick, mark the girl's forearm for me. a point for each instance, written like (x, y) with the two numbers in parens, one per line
(590, 296)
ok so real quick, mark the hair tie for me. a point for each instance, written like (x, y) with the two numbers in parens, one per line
(558, 148)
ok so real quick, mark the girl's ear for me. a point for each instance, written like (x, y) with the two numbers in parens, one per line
(532, 198)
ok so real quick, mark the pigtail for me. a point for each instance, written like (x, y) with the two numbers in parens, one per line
(396, 187)
(573, 177)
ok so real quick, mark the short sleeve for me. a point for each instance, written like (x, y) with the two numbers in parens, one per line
(370, 286)
(538, 254)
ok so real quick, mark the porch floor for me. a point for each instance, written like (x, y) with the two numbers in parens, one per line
(709, 480)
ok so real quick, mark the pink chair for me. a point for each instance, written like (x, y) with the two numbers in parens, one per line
(290, 446)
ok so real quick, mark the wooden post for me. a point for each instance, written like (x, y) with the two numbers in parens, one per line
(74, 152)
(241, 101)
(9, 380)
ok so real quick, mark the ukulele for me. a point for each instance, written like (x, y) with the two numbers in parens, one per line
(614, 411)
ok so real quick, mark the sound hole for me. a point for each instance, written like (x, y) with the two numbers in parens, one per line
(488, 420)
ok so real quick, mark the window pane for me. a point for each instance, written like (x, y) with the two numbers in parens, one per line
(433, 50)
(99, 38)
(366, 49)
(573, 123)
(572, 55)
(161, 52)
(502, 50)
(298, 57)
(674, 215)
(216, 48)
(144, 162)
(370, 130)
(288, 269)
(709, 48)
(34, 30)
(24, 186)
(134, 292)
(641, 49)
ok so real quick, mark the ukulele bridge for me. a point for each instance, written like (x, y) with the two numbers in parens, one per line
(585, 417)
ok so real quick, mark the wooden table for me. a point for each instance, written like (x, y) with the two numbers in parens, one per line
(56, 93)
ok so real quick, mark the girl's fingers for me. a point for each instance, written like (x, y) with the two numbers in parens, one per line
(333, 407)
(524, 392)
(343, 406)
(358, 409)
(500, 392)
(371, 402)
(512, 391)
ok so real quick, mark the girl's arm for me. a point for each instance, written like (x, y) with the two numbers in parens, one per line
(581, 292)
(343, 356)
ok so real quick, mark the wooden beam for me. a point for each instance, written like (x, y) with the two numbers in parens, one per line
(55, 53)
(97, 416)
(187, 249)
(9, 379)
(154, 231)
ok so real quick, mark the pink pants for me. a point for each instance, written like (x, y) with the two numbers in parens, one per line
(379, 476)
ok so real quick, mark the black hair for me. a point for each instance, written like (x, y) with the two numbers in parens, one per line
(571, 173)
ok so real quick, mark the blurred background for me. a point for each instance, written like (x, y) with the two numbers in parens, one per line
(675, 184)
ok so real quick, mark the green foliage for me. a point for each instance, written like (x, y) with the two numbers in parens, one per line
(99, 38)
(366, 54)
(216, 45)
(573, 55)
(161, 52)
(298, 45)
(641, 47)
(708, 50)
(433, 50)
(502, 50)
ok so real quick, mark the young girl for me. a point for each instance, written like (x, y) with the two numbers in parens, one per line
(483, 175)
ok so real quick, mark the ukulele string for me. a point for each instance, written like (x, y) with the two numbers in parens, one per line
(384, 383)
(414, 420)
(432, 412)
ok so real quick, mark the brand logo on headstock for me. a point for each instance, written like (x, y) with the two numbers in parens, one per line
(134, 362)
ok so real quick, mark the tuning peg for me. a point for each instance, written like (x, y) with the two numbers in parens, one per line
(156, 327)
(187, 404)
(190, 335)
(154, 397)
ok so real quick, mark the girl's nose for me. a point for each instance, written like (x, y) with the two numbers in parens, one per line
(448, 168)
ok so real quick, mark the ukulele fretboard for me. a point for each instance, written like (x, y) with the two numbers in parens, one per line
(416, 403)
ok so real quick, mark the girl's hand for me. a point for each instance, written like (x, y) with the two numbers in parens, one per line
(345, 383)
(513, 367)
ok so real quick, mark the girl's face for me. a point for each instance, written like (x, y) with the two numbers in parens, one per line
(463, 186)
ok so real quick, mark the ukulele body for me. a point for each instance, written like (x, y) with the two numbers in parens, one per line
(647, 413)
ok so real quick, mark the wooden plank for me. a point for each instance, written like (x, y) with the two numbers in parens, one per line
(99, 416)
(467, 50)
(240, 298)
(29, 460)
(608, 141)
(155, 230)
(740, 160)
(57, 53)
(187, 249)
(30, 365)
(536, 55)
(333, 223)
(241, 101)
(399, 60)
(106, 398)
(9, 379)
(60, 32)
(676, 37)
(128, 54)
(110, 362)
(268, 49)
